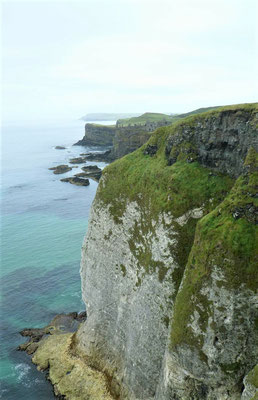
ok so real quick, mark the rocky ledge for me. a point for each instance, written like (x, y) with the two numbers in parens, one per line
(104, 156)
(61, 169)
(76, 180)
(77, 160)
(91, 171)
(53, 349)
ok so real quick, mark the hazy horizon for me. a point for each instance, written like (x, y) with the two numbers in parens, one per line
(65, 59)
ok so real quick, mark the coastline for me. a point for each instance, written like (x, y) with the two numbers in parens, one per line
(53, 350)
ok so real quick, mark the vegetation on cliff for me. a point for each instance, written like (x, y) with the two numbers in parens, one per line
(227, 238)
(176, 224)
(144, 119)
(171, 180)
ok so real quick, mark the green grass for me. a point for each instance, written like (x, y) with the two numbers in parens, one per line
(144, 118)
(226, 242)
(219, 238)
(111, 127)
(201, 112)
(252, 377)
(198, 111)
(157, 188)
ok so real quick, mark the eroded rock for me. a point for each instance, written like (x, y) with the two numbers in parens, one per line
(75, 180)
(60, 169)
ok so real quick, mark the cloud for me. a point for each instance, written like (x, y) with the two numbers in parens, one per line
(72, 57)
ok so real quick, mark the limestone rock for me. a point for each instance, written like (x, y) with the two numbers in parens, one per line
(168, 273)
(97, 135)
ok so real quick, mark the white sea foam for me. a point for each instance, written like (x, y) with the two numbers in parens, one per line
(22, 371)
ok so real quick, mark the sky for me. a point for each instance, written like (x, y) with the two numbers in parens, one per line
(63, 59)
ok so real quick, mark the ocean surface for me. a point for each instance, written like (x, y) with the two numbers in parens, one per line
(43, 222)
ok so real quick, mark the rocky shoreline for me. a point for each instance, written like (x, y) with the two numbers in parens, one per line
(88, 171)
(53, 350)
(61, 323)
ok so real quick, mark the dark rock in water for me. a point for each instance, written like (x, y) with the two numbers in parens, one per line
(100, 157)
(62, 323)
(91, 168)
(77, 181)
(82, 316)
(77, 160)
(60, 169)
(91, 171)
(60, 148)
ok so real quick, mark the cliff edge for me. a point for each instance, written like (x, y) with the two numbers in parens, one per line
(168, 267)
(169, 270)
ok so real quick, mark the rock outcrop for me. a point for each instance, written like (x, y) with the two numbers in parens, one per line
(122, 139)
(169, 271)
(77, 180)
(97, 135)
(61, 169)
(52, 350)
(169, 274)
(127, 140)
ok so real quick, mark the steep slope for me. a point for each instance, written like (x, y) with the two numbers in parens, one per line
(97, 135)
(168, 268)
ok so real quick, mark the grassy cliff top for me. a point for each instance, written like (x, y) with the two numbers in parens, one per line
(156, 181)
(144, 118)
(101, 126)
(205, 111)
(224, 238)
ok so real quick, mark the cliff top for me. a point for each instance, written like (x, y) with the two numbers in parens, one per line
(145, 118)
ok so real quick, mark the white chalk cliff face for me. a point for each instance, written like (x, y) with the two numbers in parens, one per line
(168, 269)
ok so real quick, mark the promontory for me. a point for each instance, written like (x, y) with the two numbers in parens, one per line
(169, 269)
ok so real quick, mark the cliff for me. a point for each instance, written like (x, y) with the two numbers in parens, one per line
(127, 140)
(128, 134)
(97, 135)
(169, 270)
(123, 140)
(168, 264)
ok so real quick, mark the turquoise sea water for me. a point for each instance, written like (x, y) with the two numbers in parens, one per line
(42, 227)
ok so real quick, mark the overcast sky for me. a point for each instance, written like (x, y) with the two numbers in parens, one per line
(63, 59)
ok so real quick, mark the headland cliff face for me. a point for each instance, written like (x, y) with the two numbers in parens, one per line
(169, 275)
(122, 139)
(97, 135)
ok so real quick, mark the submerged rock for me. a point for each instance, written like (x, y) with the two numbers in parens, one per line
(77, 160)
(100, 157)
(95, 175)
(75, 180)
(60, 169)
(60, 148)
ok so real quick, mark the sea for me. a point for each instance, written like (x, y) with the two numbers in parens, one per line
(43, 222)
